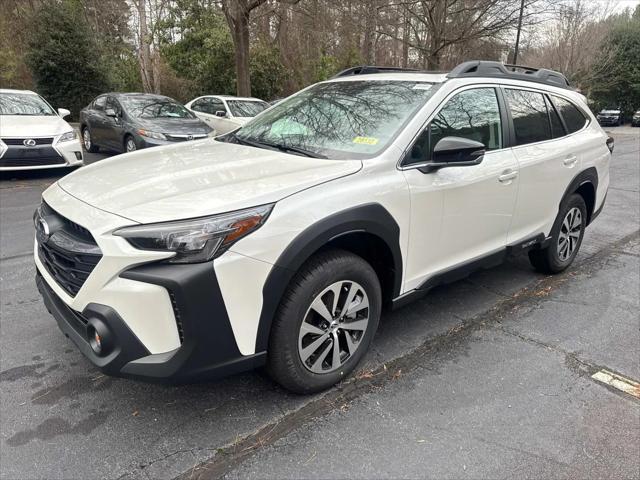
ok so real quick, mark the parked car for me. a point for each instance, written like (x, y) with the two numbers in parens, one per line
(125, 122)
(611, 116)
(280, 244)
(33, 135)
(635, 121)
(225, 113)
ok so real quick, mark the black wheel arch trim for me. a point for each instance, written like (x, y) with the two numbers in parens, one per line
(371, 218)
(587, 176)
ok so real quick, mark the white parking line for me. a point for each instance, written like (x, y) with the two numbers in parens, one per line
(616, 381)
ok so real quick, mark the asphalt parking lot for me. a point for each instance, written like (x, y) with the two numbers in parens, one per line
(487, 377)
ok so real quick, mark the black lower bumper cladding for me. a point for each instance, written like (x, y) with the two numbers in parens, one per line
(208, 348)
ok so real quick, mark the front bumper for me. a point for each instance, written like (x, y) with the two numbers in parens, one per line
(208, 349)
(56, 155)
(609, 121)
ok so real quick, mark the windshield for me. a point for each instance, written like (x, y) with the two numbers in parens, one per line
(24, 104)
(352, 119)
(154, 107)
(244, 108)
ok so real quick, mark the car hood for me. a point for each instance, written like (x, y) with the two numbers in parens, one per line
(200, 178)
(174, 125)
(32, 126)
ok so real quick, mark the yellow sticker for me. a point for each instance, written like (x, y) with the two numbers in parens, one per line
(365, 140)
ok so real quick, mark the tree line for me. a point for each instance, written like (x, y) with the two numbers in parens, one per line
(72, 50)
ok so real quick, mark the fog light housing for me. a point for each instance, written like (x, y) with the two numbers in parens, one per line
(99, 337)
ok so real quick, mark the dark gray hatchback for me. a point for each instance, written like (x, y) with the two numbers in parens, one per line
(125, 122)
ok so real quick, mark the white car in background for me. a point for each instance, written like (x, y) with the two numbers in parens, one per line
(33, 135)
(225, 113)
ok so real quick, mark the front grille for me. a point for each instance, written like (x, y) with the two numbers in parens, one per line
(21, 156)
(182, 138)
(70, 253)
(20, 141)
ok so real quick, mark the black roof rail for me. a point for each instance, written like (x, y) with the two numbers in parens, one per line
(481, 68)
(367, 69)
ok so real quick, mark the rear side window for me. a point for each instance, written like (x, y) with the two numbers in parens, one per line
(530, 116)
(99, 103)
(574, 119)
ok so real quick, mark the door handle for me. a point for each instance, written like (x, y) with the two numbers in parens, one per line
(570, 161)
(507, 176)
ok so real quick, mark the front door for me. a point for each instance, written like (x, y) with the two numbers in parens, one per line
(459, 214)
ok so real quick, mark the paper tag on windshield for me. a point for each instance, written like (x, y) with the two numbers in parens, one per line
(365, 140)
(422, 86)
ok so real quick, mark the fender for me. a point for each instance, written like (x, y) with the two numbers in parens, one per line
(589, 175)
(372, 218)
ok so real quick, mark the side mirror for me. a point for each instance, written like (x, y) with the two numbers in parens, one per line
(454, 152)
(110, 112)
(221, 113)
(63, 112)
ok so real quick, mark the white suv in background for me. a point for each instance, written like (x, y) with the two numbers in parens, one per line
(33, 135)
(280, 244)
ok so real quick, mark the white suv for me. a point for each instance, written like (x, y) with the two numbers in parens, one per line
(281, 243)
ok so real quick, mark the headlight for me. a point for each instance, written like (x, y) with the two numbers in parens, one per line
(148, 134)
(68, 136)
(199, 239)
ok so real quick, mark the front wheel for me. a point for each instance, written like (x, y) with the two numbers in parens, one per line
(325, 322)
(130, 144)
(566, 238)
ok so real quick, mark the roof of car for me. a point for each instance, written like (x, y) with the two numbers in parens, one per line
(232, 97)
(136, 94)
(11, 90)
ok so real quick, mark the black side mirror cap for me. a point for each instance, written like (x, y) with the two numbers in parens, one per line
(455, 152)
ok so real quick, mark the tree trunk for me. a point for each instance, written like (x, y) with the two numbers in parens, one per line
(144, 55)
(241, 42)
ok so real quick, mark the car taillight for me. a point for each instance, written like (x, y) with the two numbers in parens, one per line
(610, 143)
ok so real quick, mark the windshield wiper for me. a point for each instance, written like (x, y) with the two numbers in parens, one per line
(276, 146)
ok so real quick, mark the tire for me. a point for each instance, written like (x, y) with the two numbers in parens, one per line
(129, 144)
(87, 142)
(566, 237)
(299, 331)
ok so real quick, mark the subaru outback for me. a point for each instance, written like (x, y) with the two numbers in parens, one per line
(280, 244)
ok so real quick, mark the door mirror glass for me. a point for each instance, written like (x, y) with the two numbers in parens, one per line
(63, 112)
(110, 112)
(221, 113)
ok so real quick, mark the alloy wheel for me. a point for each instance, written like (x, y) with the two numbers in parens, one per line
(86, 138)
(333, 327)
(569, 234)
(131, 145)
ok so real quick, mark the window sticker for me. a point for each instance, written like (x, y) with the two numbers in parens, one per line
(365, 140)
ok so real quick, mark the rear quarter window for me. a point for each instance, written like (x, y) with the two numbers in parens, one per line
(574, 119)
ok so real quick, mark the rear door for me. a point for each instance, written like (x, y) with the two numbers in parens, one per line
(96, 120)
(547, 158)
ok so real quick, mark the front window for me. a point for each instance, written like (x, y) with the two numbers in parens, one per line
(24, 104)
(154, 107)
(351, 119)
(473, 114)
(243, 108)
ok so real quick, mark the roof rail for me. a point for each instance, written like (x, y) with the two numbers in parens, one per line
(478, 68)
(367, 69)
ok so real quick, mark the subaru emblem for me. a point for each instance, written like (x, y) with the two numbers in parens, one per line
(29, 142)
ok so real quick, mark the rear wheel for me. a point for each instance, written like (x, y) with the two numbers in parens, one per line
(325, 322)
(566, 238)
(87, 141)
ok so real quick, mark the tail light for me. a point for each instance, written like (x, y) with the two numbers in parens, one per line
(610, 143)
